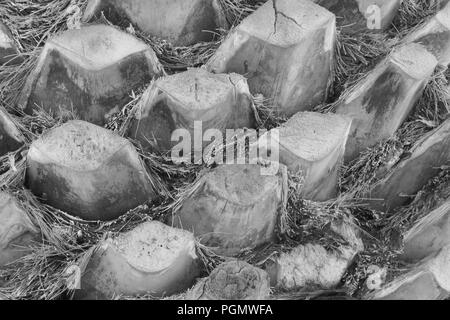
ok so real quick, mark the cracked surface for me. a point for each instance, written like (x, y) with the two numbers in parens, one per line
(285, 22)
(282, 14)
(197, 89)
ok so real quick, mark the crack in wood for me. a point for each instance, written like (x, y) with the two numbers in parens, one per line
(279, 13)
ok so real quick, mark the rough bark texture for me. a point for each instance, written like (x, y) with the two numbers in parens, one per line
(429, 280)
(8, 49)
(10, 137)
(355, 16)
(235, 280)
(219, 102)
(90, 71)
(435, 36)
(311, 265)
(312, 145)
(152, 259)
(285, 49)
(87, 171)
(408, 177)
(235, 208)
(429, 235)
(381, 102)
(182, 22)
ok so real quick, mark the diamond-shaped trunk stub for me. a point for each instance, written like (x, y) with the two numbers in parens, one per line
(354, 16)
(17, 232)
(182, 22)
(233, 208)
(286, 56)
(87, 171)
(312, 144)
(381, 102)
(429, 235)
(435, 36)
(10, 137)
(8, 49)
(234, 280)
(401, 184)
(428, 280)
(152, 259)
(218, 101)
(90, 71)
(311, 265)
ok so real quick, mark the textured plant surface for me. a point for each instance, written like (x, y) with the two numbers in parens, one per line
(68, 241)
